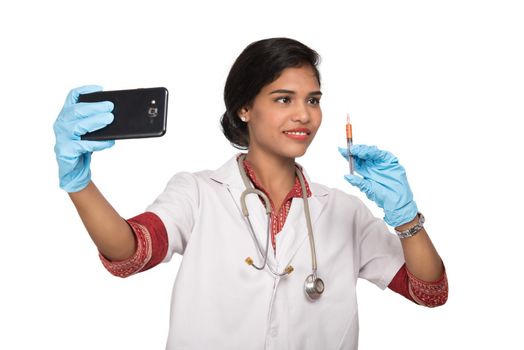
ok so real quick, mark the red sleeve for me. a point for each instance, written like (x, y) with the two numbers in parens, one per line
(430, 294)
(151, 236)
(158, 234)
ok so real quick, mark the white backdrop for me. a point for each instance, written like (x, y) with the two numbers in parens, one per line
(439, 84)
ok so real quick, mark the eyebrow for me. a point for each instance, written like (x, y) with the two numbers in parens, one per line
(284, 91)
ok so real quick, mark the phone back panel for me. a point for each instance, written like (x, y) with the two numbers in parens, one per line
(138, 113)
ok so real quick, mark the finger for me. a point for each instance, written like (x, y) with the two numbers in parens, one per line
(91, 123)
(360, 164)
(364, 151)
(371, 153)
(355, 180)
(362, 184)
(92, 146)
(72, 97)
(86, 109)
(69, 153)
(100, 145)
(344, 152)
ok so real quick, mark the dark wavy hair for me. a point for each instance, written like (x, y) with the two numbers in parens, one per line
(261, 63)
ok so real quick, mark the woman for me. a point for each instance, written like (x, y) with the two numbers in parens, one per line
(321, 239)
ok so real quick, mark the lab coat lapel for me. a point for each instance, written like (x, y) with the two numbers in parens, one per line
(294, 233)
(259, 221)
(229, 175)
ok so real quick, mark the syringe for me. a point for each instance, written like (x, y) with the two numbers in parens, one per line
(349, 138)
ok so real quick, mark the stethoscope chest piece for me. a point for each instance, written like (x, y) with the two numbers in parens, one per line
(314, 287)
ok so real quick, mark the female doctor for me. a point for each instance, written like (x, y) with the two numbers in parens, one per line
(270, 258)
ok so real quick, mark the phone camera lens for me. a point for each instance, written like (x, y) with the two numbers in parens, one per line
(152, 112)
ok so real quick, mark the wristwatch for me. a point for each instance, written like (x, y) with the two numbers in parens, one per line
(413, 230)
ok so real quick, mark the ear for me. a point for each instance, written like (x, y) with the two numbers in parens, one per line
(243, 111)
(243, 114)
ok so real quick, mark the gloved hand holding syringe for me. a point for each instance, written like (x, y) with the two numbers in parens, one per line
(383, 180)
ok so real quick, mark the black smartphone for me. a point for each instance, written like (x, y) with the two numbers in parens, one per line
(138, 113)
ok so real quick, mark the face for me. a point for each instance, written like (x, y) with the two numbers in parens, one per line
(285, 116)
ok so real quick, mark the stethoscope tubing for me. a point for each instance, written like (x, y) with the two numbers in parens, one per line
(309, 225)
(267, 205)
(245, 212)
(313, 286)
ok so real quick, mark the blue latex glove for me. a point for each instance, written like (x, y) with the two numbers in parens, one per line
(383, 181)
(72, 154)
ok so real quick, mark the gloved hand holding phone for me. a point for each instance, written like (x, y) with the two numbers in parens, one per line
(383, 181)
(73, 154)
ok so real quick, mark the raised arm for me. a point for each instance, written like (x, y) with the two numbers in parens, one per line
(110, 232)
(384, 181)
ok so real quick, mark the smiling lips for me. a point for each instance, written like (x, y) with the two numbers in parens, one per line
(301, 134)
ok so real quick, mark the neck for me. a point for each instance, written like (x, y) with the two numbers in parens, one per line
(275, 174)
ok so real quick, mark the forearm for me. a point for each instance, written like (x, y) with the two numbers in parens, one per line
(422, 259)
(108, 230)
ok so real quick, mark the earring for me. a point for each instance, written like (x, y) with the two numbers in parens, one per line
(244, 119)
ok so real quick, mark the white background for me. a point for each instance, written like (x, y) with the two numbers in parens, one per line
(438, 83)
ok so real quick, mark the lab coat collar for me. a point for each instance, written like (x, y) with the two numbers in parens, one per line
(229, 175)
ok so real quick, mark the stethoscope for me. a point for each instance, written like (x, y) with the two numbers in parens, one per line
(313, 286)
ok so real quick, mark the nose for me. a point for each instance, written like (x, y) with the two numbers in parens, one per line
(302, 113)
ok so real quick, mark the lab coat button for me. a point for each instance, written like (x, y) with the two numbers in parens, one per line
(274, 331)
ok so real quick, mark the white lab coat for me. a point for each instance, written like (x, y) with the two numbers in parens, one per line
(219, 302)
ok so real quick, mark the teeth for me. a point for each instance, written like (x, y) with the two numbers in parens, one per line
(296, 133)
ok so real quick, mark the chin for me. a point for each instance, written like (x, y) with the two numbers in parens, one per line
(295, 153)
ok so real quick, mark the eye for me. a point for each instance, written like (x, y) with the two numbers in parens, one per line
(313, 100)
(283, 99)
